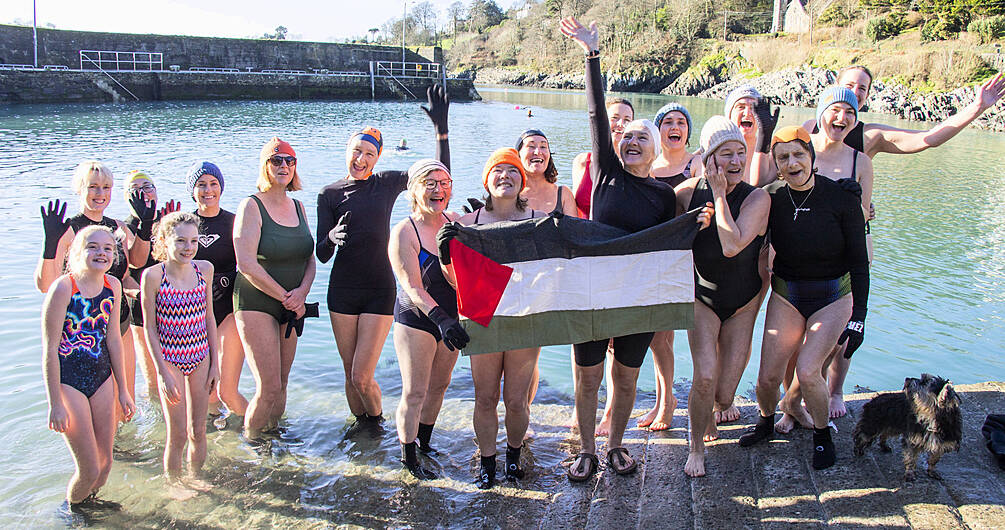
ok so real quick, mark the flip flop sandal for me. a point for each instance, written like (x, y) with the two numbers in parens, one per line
(623, 458)
(591, 467)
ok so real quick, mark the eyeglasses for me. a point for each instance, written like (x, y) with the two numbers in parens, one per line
(277, 161)
(444, 184)
(146, 188)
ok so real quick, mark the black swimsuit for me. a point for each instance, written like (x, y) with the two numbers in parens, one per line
(216, 245)
(724, 284)
(407, 313)
(121, 267)
(622, 200)
(679, 178)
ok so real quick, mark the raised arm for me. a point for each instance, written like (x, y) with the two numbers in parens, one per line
(439, 104)
(57, 240)
(887, 139)
(735, 235)
(600, 126)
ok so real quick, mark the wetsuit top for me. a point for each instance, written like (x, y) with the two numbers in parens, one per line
(823, 240)
(133, 223)
(721, 281)
(121, 268)
(433, 281)
(362, 261)
(620, 199)
(216, 245)
(855, 138)
(679, 178)
(585, 190)
(84, 362)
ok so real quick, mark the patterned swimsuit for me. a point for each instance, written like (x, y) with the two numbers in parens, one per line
(181, 323)
(84, 363)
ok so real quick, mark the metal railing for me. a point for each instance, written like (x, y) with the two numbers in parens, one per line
(114, 61)
(400, 69)
(214, 70)
(17, 67)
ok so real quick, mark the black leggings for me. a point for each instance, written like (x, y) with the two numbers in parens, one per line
(629, 350)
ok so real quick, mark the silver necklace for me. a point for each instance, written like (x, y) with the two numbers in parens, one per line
(799, 208)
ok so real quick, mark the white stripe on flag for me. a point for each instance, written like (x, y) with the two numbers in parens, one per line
(598, 282)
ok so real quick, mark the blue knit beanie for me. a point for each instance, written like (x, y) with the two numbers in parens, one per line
(671, 107)
(833, 95)
(199, 169)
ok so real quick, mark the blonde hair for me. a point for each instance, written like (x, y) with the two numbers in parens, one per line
(265, 181)
(165, 228)
(76, 260)
(84, 170)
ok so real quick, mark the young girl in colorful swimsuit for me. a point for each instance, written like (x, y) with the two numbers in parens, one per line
(82, 347)
(181, 335)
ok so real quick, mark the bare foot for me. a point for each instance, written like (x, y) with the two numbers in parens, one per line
(711, 433)
(198, 484)
(695, 466)
(798, 413)
(604, 427)
(665, 417)
(728, 415)
(648, 418)
(785, 424)
(179, 492)
(837, 408)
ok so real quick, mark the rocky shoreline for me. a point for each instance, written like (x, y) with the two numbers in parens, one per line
(797, 87)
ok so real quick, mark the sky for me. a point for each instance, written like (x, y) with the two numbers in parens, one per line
(314, 20)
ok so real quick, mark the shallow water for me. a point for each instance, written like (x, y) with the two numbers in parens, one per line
(937, 302)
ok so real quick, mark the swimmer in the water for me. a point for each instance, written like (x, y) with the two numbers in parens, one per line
(82, 348)
(361, 288)
(177, 299)
(402, 145)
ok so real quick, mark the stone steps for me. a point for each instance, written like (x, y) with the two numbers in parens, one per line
(773, 485)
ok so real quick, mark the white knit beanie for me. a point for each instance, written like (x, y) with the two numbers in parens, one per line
(717, 131)
(738, 93)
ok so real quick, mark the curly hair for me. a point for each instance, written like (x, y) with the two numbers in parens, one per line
(165, 228)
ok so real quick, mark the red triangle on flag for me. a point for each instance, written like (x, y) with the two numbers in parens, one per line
(480, 282)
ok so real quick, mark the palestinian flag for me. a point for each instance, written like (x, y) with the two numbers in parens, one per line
(564, 280)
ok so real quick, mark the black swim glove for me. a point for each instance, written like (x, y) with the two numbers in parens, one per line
(443, 237)
(145, 212)
(474, 204)
(293, 323)
(54, 225)
(439, 103)
(454, 336)
(767, 121)
(854, 333)
(851, 186)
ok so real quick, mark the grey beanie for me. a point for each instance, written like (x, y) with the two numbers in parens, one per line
(738, 93)
(717, 131)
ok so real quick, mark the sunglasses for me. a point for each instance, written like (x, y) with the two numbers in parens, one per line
(431, 184)
(277, 161)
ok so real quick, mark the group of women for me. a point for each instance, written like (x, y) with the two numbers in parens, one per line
(785, 208)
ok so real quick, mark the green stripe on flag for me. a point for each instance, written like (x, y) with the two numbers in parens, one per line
(570, 327)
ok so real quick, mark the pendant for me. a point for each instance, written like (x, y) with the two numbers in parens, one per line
(796, 214)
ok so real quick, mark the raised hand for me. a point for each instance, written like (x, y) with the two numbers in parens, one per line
(144, 210)
(588, 38)
(170, 207)
(439, 103)
(766, 123)
(991, 91)
(716, 179)
(473, 204)
(54, 225)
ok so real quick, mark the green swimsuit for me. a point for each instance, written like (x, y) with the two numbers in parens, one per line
(283, 251)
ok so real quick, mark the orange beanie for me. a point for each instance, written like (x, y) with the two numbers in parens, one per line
(504, 155)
